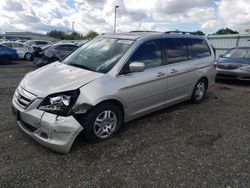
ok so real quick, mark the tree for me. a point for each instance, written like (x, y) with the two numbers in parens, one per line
(71, 36)
(91, 34)
(226, 31)
(198, 33)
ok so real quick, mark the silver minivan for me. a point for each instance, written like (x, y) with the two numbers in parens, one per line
(110, 80)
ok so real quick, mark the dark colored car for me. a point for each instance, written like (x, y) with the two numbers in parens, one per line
(7, 54)
(49, 54)
(234, 64)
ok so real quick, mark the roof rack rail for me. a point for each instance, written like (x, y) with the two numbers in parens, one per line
(179, 32)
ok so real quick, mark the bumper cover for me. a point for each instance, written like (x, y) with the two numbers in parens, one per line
(233, 74)
(54, 132)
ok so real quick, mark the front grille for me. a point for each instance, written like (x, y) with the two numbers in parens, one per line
(23, 97)
(228, 67)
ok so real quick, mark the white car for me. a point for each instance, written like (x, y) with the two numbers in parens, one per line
(24, 51)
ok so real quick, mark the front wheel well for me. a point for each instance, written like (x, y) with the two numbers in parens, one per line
(113, 101)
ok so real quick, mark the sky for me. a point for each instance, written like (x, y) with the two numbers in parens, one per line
(98, 15)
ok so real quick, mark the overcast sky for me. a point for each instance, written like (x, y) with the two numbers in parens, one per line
(98, 15)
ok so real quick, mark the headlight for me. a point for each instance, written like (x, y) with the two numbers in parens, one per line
(60, 103)
(245, 68)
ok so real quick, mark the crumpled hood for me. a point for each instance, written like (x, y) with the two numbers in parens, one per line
(57, 77)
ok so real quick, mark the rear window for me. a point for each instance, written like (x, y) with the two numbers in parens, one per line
(176, 50)
(198, 48)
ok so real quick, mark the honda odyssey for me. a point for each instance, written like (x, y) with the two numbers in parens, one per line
(110, 80)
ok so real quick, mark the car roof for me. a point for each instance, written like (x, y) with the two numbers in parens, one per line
(135, 35)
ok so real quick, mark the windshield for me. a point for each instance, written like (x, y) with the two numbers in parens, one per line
(100, 54)
(237, 53)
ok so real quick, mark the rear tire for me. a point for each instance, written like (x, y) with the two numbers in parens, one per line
(28, 56)
(102, 122)
(200, 91)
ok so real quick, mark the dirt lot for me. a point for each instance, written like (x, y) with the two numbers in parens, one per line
(188, 145)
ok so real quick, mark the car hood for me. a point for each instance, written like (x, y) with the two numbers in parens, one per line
(233, 61)
(57, 77)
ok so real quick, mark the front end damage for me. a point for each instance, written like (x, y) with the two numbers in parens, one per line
(52, 131)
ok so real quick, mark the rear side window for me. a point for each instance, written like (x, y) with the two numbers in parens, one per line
(148, 53)
(198, 48)
(176, 50)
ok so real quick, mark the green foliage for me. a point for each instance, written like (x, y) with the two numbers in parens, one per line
(225, 31)
(71, 36)
(198, 33)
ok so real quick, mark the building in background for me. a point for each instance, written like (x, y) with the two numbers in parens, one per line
(26, 36)
(222, 43)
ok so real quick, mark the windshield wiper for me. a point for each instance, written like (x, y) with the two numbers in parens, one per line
(82, 66)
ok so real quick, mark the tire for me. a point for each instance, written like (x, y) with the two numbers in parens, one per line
(96, 127)
(28, 56)
(200, 91)
(6, 59)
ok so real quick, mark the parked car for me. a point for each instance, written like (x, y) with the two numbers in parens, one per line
(7, 54)
(21, 40)
(37, 43)
(52, 53)
(234, 64)
(23, 50)
(110, 80)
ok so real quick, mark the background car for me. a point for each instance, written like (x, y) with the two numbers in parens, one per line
(49, 54)
(37, 43)
(23, 50)
(7, 54)
(234, 64)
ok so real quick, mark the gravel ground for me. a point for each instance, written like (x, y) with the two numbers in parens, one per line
(188, 145)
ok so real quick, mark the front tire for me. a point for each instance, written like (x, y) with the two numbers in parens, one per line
(102, 122)
(200, 91)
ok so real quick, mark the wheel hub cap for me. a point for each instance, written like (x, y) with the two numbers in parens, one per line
(105, 124)
(200, 90)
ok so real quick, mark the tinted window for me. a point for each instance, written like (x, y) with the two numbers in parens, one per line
(176, 50)
(41, 42)
(149, 54)
(198, 48)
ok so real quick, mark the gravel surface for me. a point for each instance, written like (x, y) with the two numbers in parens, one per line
(188, 145)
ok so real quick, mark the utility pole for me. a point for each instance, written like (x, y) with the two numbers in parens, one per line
(73, 24)
(116, 7)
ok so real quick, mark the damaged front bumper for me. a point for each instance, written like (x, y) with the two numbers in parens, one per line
(55, 132)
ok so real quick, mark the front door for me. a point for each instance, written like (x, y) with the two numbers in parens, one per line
(145, 91)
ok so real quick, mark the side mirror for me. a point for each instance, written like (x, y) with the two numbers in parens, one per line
(136, 67)
(220, 55)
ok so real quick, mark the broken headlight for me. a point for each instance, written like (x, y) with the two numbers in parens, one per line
(60, 103)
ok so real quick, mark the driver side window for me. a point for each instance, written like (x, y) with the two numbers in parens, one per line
(148, 53)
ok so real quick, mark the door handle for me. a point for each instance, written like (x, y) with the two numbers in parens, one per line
(173, 71)
(160, 74)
